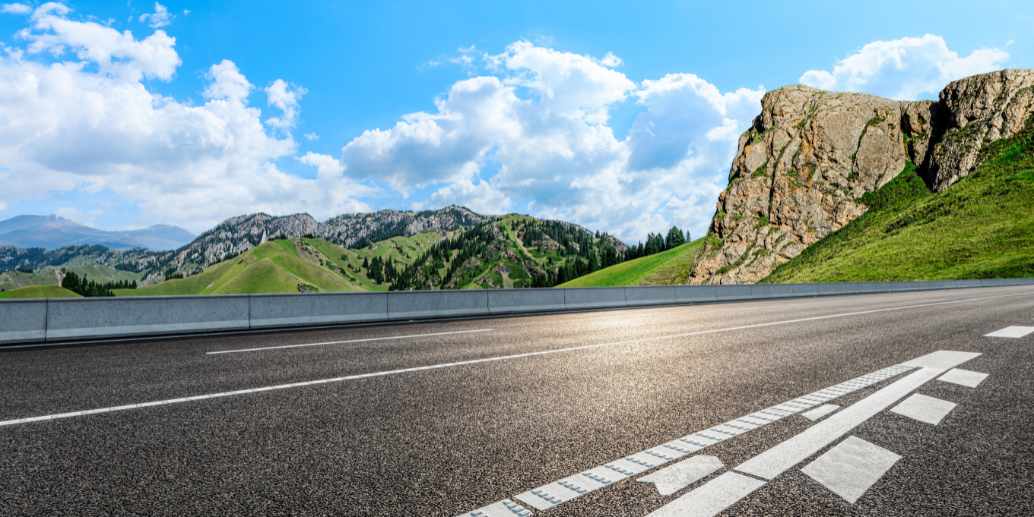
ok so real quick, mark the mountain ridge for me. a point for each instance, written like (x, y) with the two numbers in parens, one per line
(52, 231)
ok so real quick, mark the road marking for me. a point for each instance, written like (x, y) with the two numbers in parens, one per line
(967, 378)
(924, 409)
(780, 458)
(554, 494)
(820, 411)
(682, 474)
(346, 341)
(504, 508)
(711, 498)
(1014, 332)
(851, 468)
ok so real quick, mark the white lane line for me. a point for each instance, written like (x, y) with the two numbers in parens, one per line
(820, 411)
(1014, 332)
(924, 409)
(504, 508)
(711, 498)
(967, 378)
(780, 458)
(556, 493)
(682, 474)
(347, 341)
(851, 468)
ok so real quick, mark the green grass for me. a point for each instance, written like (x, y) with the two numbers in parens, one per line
(981, 227)
(282, 266)
(272, 267)
(665, 268)
(38, 291)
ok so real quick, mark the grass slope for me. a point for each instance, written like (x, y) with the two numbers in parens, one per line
(38, 291)
(288, 266)
(664, 268)
(981, 227)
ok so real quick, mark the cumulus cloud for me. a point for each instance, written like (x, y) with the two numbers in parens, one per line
(76, 116)
(285, 98)
(532, 134)
(905, 68)
(161, 17)
(15, 8)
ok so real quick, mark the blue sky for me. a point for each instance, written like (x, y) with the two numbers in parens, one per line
(618, 116)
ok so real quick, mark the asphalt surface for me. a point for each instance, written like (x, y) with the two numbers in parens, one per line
(511, 404)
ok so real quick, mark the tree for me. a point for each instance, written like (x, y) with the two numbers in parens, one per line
(674, 238)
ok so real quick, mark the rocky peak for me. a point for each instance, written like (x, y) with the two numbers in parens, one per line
(801, 169)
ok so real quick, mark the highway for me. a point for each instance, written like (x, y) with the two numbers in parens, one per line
(888, 404)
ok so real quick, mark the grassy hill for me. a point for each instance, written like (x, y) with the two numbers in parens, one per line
(512, 251)
(665, 268)
(981, 227)
(38, 291)
(292, 266)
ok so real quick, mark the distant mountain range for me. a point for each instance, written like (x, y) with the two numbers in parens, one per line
(51, 232)
(450, 247)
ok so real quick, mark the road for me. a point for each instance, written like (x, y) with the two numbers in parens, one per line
(487, 415)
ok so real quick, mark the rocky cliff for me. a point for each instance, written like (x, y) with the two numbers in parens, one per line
(809, 157)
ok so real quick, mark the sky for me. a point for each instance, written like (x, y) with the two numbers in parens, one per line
(621, 117)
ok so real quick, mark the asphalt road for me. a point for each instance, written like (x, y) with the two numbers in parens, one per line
(451, 417)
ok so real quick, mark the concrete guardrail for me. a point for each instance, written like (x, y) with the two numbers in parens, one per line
(55, 320)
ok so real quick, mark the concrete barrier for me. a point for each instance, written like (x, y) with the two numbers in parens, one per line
(114, 317)
(431, 304)
(525, 300)
(23, 321)
(36, 321)
(654, 295)
(317, 309)
(594, 297)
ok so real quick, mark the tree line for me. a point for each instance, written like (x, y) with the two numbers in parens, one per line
(656, 243)
(83, 286)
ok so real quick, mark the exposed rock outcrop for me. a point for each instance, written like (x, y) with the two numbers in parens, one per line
(801, 169)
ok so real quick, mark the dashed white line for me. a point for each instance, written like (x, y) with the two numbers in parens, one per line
(924, 409)
(967, 378)
(851, 468)
(820, 411)
(346, 341)
(682, 474)
(1014, 332)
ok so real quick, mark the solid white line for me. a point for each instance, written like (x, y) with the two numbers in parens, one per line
(347, 341)
(820, 412)
(851, 468)
(778, 459)
(460, 363)
(711, 498)
(1014, 332)
(682, 474)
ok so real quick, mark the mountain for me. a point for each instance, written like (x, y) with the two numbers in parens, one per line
(292, 265)
(511, 251)
(812, 160)
(981, 227)
(51, 231)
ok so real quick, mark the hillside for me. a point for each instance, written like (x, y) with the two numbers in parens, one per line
(981, 227)
(512, 251)
(38, 291)
(812, 158)
(670, 267)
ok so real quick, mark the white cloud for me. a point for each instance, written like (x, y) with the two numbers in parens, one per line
(905, 68)
(75, 122)
(161, 17)
(611, 60)
(114, 53)
(533, 135)
(15, 8)
(286, 98)
(312, 136)
(227, 83)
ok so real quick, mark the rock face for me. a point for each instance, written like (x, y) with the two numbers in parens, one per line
(354, 230)
(801, 169)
